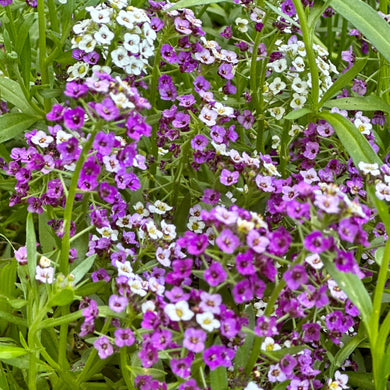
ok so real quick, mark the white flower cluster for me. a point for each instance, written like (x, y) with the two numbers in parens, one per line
(291, 75)
(121, 32)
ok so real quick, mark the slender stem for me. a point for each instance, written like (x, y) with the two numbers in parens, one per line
(53, 15)
(11, 23)
(42, 50)
(308, 40)
(124, 370)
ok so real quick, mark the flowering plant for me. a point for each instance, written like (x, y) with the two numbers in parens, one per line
(194, 195)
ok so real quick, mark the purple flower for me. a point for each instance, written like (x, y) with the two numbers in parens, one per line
(266, 327)
(194, 339)
(181, 367)
(242, 291)
(104, 142)
(213, 356)
(75, 90)
(311, 332)
(345, 261)
(124, 337)
(74, 118)
(107, 109)
(246, 119)
(168, 53)
(100, 274)
(56, 114)
(215, 274)
(226, 71)
(161, 339)
(103, 346)
(287, 364)
(21, 255)
(34, 205)
(257, 242)
(229, 178)
(315, 242)
(359, 86)
(117, 303)
(227, 241)
(210, 196)
(201, 84)
(295, 277)
(199, 142)
(148, 355)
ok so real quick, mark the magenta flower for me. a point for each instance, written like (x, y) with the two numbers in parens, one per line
(194, 339)
(215, 274)
(315, 242)
(74, 118)
(227, 241)
(124, 337)
(104, 347)
(242, 291)
(257, 242)
(295, 277)
(229, 178)
(182, 367)
(117, 303)
(21, 255)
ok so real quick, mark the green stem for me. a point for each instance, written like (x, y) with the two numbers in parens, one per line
(92, 356)
(308, 40)
(42, 50)
(11, 23)
(53, 16)
(124, 370)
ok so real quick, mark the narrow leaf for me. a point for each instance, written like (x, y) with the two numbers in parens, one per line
(31, 244)
(296, 114)
(8, 352)
(62, 297)
(367, 103)
(83, 268)
(367, 21)
(344, 80)
(353, 141)
(13, 124)
(11, 92)
(218, 378)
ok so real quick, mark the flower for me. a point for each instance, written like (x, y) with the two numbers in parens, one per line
(104, 347)
(178, 311)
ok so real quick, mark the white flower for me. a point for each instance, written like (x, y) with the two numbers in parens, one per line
(141, 209)
(121, 100)
(278, 66)
(178, 311)
(149, 33)
(207, 321)
(131, 43)
(152, 230)
(134, 66)
(299, 86)
(87, 43)
(118, 3)
(299, 64)
(44, 262)
(277, 85)
(81, 27)
(124, 269)
(242, 24)
(363, 124)
(295, 130)
(101, 16)
(168, 230)
(271, 169)
(148, 306)
(159, 207)
(342, 379)
(270, 345)
(107, 232)
(275, 142)
(163, 256)
(120, 57)
(104, 36)
(298, 101)
(223, 110)
(111, 163)
(382, 191)
(277, 112)
(137, 286)
(336, 291)
(252, 386)
(77, 71)
(42, 139)
(125, 19)
(195, 225)
(44, 275)
(369, 169)
(146, 49)
(315, 261)
(155, 286)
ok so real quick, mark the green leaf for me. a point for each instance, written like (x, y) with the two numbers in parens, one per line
(343, 80)
(379, 255)
(83, 268)
(353, 141)
(90, 288)
(296, 114)
(218, 378)
(367, 103)
(11, 92)
(156, 373)
(367, 21)
(346, 351)
(62, 297)
(46, 237)
(193, 3)
(355, 290)
(31, 244)
(9, 352)
(13, 124)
